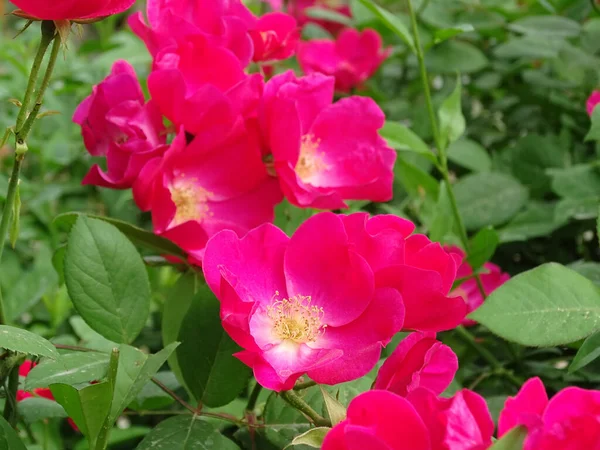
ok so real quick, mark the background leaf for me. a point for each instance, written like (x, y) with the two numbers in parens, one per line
(23, 341)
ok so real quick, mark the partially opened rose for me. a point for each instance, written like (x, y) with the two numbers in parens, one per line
(72, 9)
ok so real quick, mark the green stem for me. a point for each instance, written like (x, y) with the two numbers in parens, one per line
(113, 367)
(48, 32)
(305, 385)
(297, 402)
(10, 407)
(253, 397)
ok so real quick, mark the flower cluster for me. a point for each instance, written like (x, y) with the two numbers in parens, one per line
(325, 301)
(236, 143)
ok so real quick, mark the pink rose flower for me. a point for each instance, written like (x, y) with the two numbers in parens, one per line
(592, 102)
(379, 420)
(275, 37)
(352, 58)
(301, 305)
(419, 361)
(170, 22)
(202, 86)
(569, 421)
(118, 124)
(325, 153)
(72, 9)
(462, 422)
(214, 182)
(469, 291)
(421, 270)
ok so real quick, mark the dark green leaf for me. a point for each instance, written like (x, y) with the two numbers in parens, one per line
(588, 352)
(72, 368)
(546, 306)
(489, 199)
(23, 341)
(483, 247)
(536, 220)
(107, 280)
(9, 439)
(34, 409)
(186, 433)
(392, 22)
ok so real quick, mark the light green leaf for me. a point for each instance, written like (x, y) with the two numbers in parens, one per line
(329, 15)
(135, 370)
(448, 33)
(483, 246)
(400, 137)
(549, 25)
(23, 341)
(416, 181)
(443, 219)
(589, 269)
(535, 221)
(107, 280)
(583, 208)
(34, 409)
(452, 121)
(9, 439)
(513, 440)
(470, 155)
(392, 22)
(72, 368)
(546, 306)
(313, 438)
(186, 432)
(576, 181)
(588, 352)
(489, 199)
(335, 410)
(88, 406)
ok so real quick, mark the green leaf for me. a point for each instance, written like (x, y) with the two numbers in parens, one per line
(530, 47)
(313, 438)
(186, 432)
(134, 371)
(23, 341)
(456, 56)
(448, 33)
(576, 181)
(513, 440)
(120, 438)
(577, 208)
(107, 280)
(470, 155)
(589, 269)
(452, 121)
(335, 410)
(546, 306)
(550, 25)
(88, 406)
(289, 217)
(416, 181)
(443, 219)
(9, 439)
(58, 261)
(137, 235)
(153, 397)
(489, 199)
(536, 220)
(588, 352)
(329, 15)
(89, 338)
(392, 22)
(400, 137)
(34, 409)
(72, 368)
(483, 246)
(205, 357)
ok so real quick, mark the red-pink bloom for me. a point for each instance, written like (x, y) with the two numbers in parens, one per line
(214, 182)
(301, 305)
(462, 422)
(202, 86)
(469, 291)
(379, 420)
(592, 102)
(419, 361)
(569, 421)
(118, 124)
(170, 22)
(325, 153)
(72, 9)
(352, 58)
(275, 37)
(421, 270)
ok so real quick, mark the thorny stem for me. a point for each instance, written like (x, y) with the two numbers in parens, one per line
(176, 397)
(297, 402)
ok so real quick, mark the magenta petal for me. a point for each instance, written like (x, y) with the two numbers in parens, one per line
(321, 265)
(351, 365)
(526, 408)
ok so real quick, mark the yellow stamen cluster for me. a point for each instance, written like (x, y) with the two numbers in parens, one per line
(295, 319)
(190, 201)
(310, 160)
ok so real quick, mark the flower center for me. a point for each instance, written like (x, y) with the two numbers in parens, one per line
(295, 319)
(190, 201)
(310, 160)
